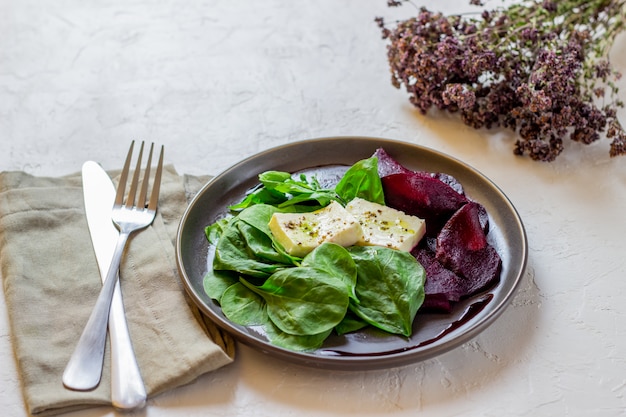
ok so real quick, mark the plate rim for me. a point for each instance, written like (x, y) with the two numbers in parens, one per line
(353, 362)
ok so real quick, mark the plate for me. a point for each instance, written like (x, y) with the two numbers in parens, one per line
(433, 334)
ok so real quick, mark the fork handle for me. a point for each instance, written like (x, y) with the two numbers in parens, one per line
(127, 388)
(84, 369)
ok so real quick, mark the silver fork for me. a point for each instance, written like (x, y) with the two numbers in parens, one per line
(84, 369)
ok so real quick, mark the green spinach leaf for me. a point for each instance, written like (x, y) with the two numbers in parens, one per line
(246, 308)
(362, 180)
(350, 323)
(390, 288)
(303, 301)
(233, 253)
(242, 306)
(216, 282)
(335, 260)
(215, 230)
(259, 217)
(267, 247)
(293, 342)
(281, 189)
(260, 195)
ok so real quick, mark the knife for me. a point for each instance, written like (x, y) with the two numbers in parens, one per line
(127, 387)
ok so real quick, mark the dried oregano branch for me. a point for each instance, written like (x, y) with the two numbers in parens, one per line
(540, 68)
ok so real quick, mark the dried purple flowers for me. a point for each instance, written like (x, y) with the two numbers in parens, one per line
(538, 67)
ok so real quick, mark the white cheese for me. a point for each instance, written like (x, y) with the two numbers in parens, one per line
(385, 226)
(300, 233)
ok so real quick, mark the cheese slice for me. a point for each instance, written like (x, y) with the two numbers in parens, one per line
(300, 233)
(385, 226)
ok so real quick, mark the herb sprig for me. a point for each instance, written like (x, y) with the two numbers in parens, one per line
(540, 68)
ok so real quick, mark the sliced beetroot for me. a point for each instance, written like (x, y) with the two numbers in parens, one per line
(461, 234)
(483, 271)
(422, 196)
(442, 286)
(451, 181)
(462, 247)
(388, 165)
(483, 217)
(441, 280)
(436, 303)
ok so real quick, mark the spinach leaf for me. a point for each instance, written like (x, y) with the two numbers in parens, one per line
(281, 189)
(246, 244)
(285, 183)
(233, 253)
(216, 282)
(259, 217)
(311, 201)
(293, 342)
(243, 306)
(214, 231)
(335, 260)
(362, 180)
(267, 247)
(261, 195)
(390, 287)
(350, 323)
(303, 301)
(261, 245)
(246, 308)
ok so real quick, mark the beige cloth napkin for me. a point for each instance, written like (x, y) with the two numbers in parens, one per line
(51, 281)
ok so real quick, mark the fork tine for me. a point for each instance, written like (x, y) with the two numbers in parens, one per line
(154, 197)
(144, 185)
(130, 200)
(121, 188)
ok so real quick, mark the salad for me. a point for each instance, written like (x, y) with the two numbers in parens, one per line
(400, 242)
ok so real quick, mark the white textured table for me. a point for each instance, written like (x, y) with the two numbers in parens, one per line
(216, 81)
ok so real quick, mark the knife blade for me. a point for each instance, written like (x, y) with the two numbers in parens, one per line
(127, 387)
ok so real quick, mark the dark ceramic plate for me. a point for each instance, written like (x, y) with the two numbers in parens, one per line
(433, 334)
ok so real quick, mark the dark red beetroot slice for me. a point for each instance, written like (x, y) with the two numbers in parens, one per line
(483, 217)
(463, 248)
(422, 196)
(387, 165)
(451, 181)
(442, 286)
(436, 303)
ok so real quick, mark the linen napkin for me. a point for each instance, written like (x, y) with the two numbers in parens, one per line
(51, 281)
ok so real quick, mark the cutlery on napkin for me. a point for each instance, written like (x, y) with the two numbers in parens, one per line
(51, 280)
(127, 387)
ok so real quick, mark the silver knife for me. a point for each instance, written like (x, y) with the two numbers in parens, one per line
(127, 387)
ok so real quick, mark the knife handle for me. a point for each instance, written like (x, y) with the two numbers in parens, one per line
(84, 369)
(127, 387)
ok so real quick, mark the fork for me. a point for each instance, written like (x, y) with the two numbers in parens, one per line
(84, 369)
